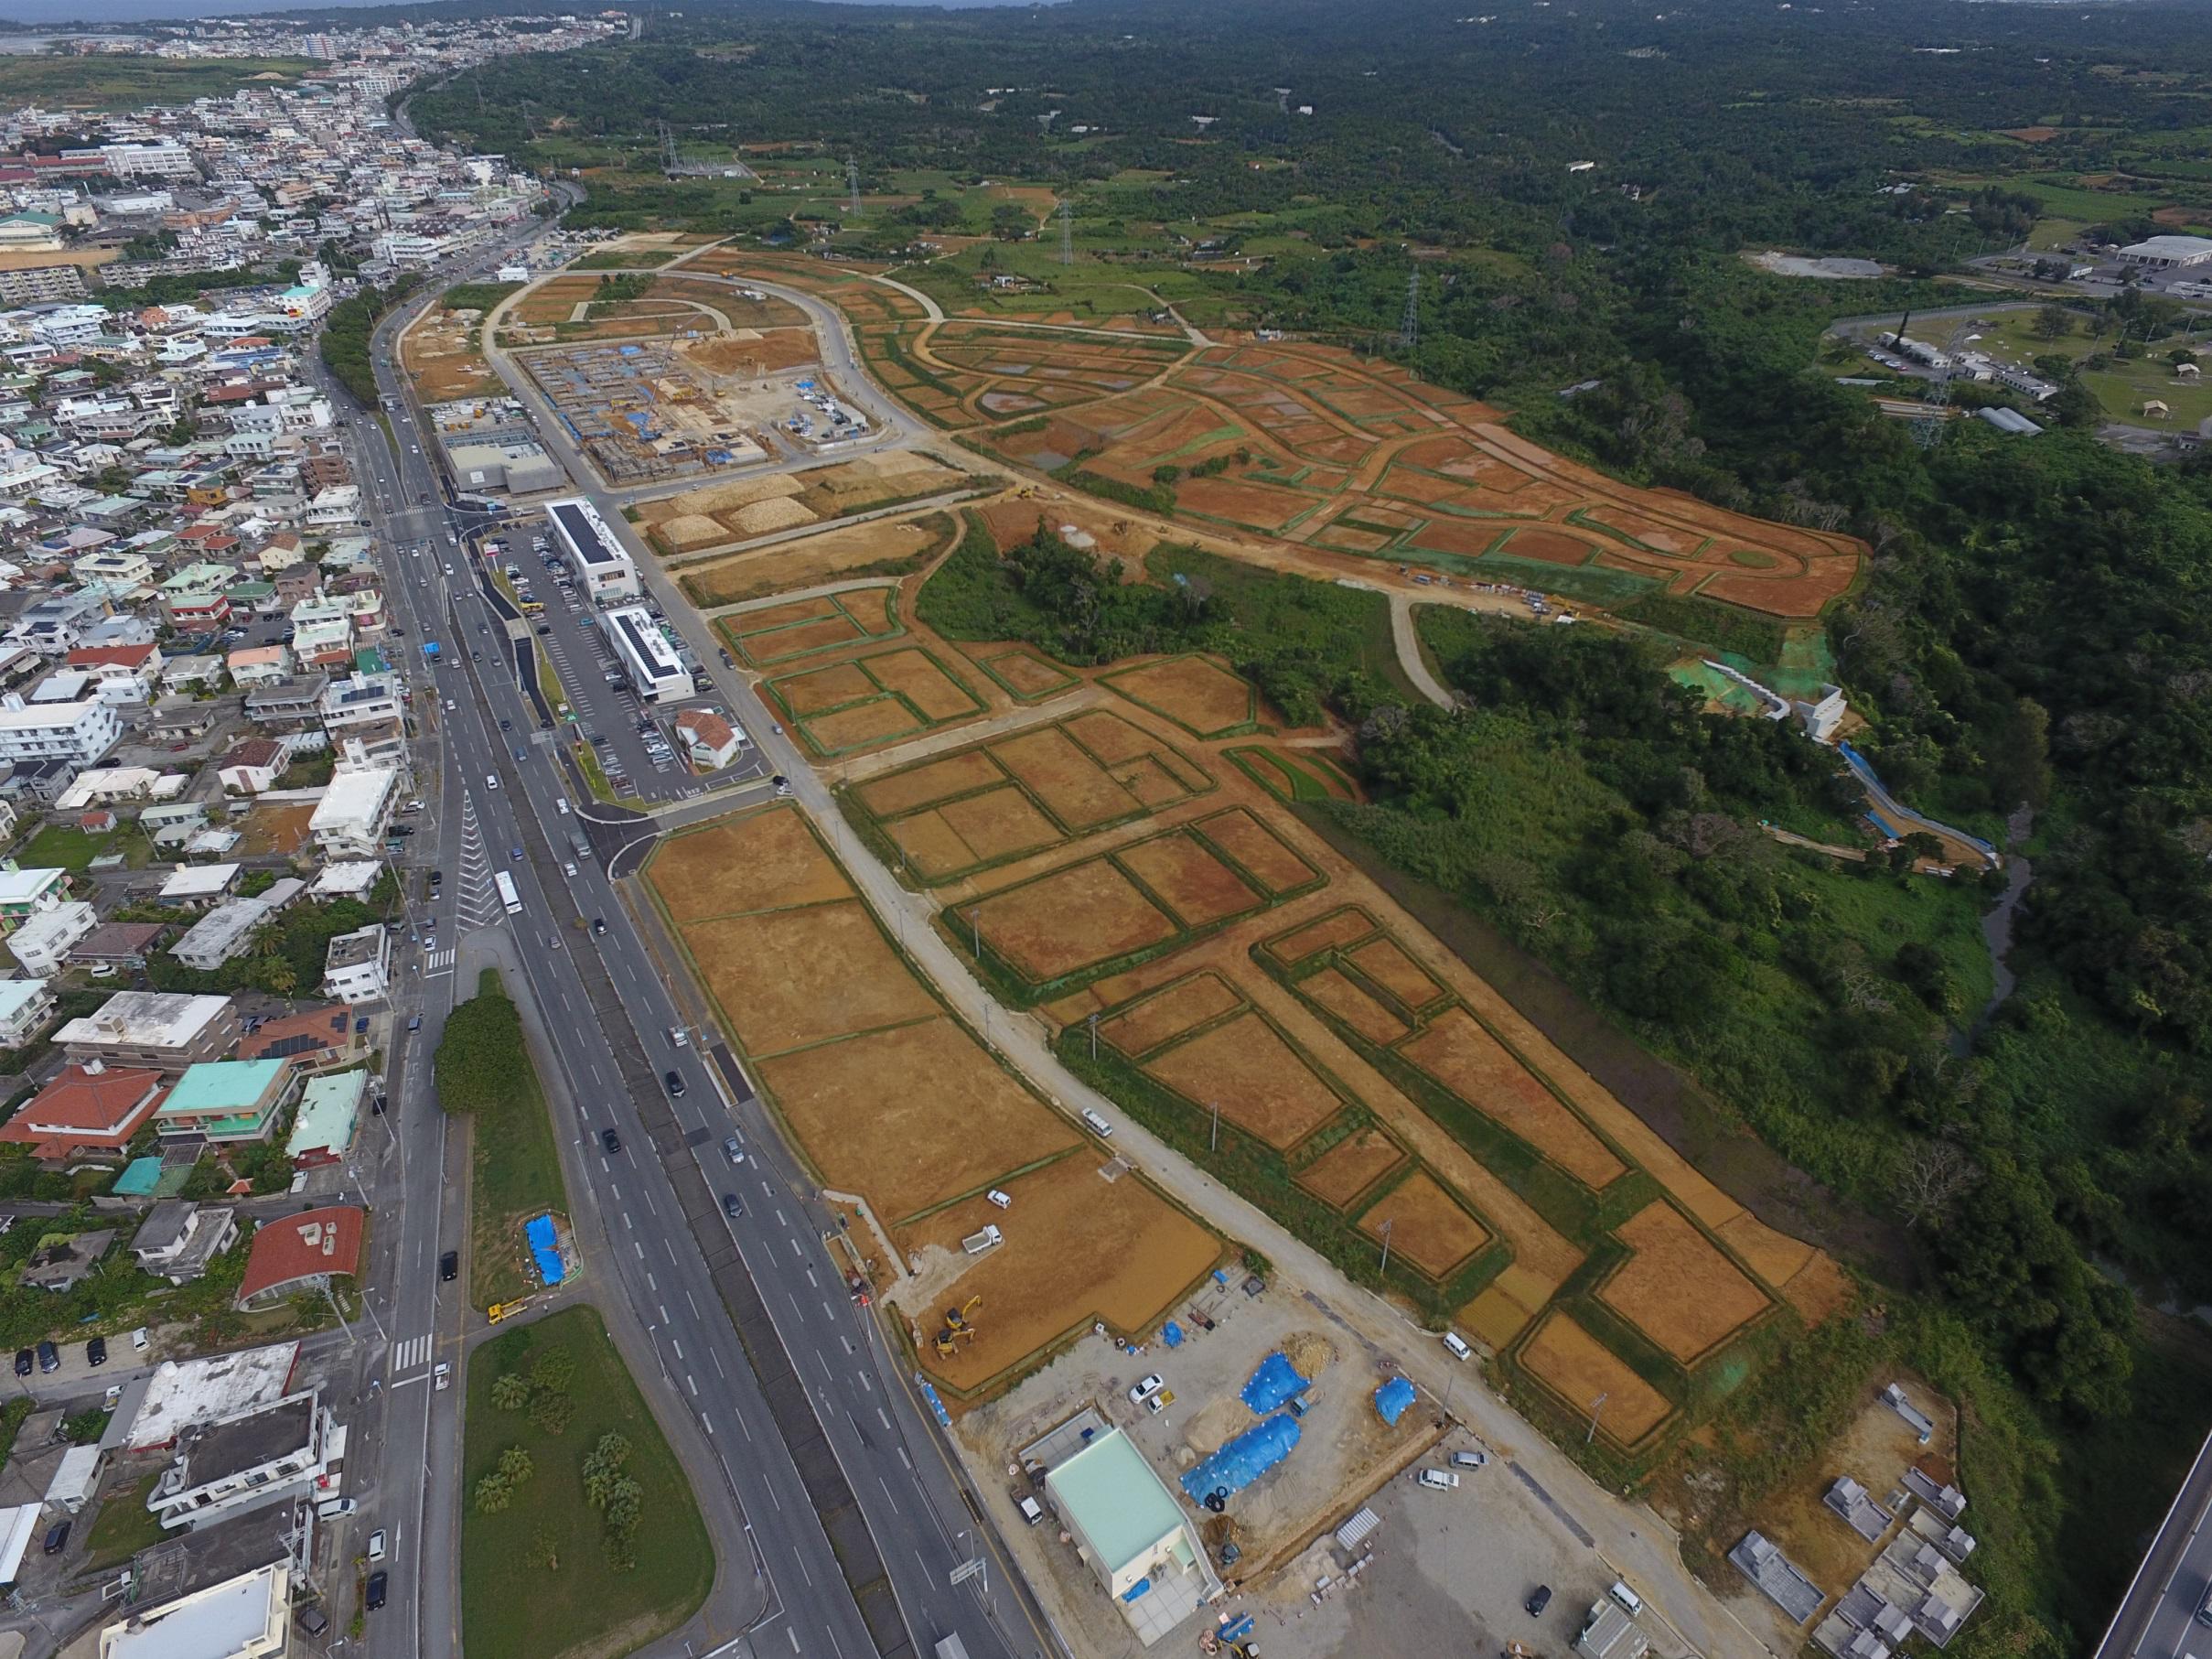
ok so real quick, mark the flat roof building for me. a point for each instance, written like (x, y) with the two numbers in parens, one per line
(655, 670)
(79, 733)
(226, 1100)
(350, 819)
(167, 1031)
(602, 563)
(1133, 1534)
(183, 1393)
(241, 1617)
(2168, 252)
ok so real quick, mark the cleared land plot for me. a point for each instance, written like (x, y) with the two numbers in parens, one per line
(929, 782)
(1197, 887)
(852, 729)
(786, 978)
(739, 509)
(1467, 1061)
(1025, 675)
(1078, 1248)
(882, 548)
(1326, 932)
(769, 861)
(1350, 1166)
(909, 1117)
(1169, 1012)
(923, 684)
(1427, 1225)
(1577, 1368)
(1205, 700)
(850, 705)
(1072, 919)
(1065, 780)
(1259, 1080)
(1258, 850)
(821, 689)
(1351, 1004)
(999, 824)
(1384, 960)
(1677, 1289)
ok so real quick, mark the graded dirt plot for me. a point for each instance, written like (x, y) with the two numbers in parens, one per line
(1182, 1006)
(918, 677)
(1577, 1368)
(930, 845)
(1201, 698)
(881, 547)
(784, 978)
(1352, 1005)
(771, 617)
(1428, 1226)
(999, 824)
(1677, 1288)
(1195, 886)
(1068, 920)
(769, 861)
(1384, 960)
(1026, 675)
(855, 727)
(1350, 1166)
(1470, 1062)
(1258, 849)
(1260, 1082)
(870, 607)
(1078, 1249)
(932, 782)
(1326, 932)
(822, 633)
(909, 1117)
(1071, 785)
(823, 688)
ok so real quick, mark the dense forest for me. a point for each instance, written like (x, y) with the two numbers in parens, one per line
(2031, 644)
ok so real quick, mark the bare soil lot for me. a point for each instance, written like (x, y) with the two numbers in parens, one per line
(1426, 1223)
(1075, 918)
(1579, 1369)
(1677, 1288)
(1259, 1080)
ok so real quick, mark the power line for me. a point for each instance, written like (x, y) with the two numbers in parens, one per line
(1408, 330)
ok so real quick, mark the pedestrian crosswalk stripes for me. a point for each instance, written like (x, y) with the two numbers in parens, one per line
(413, 1351)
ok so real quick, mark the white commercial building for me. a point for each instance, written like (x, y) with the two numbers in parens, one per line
(242, 1617)
(602, 564)
(43, 943)
(355, 811)
(79, 733)
(260, 1455)
(2168, 252)
(655, 671)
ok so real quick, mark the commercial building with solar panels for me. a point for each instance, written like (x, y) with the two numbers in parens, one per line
(601, 563)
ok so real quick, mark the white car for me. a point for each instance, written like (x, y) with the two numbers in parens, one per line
(441, 1375)
(1142, 1391)
(450, 704)
(1438, 1480)
(376, 1545)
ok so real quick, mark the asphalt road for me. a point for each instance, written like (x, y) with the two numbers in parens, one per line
(2157, 1619)
(660, 1253)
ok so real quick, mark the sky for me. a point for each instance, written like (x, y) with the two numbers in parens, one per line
(46, 14)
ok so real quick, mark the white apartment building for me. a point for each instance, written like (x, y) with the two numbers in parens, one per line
(79, 733)
(356, 966)
(248, 1461)
(25, 1005)
(355, 811)
(43, 943)
(167, 159)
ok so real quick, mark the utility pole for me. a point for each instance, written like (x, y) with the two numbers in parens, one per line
(1213, 1143)
(1597, 1406)
(1386, 1244)
(1094, 1036)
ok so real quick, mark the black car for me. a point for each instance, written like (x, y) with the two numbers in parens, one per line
(313, 1619)
(49, 1357)
(378, 1582)
(731, 1206)
(610, 1140)
(437, 877)
(56, 1537)
(675, 1084)
(449, 1266)
(598, 924)
(1539, 1601)
(23, 1362)
(96, 1351)
(507, 725)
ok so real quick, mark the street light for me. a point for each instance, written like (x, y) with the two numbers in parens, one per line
(1597, 1406)
(1386, 1243)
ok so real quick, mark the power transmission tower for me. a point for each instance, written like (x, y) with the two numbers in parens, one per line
(668, 161)
(1066, 234)
(1929, 426)
(1409, 330)
(852, 180)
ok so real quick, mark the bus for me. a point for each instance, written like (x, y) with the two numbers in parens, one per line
(508, 896)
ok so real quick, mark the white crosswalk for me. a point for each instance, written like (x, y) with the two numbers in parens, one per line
(411, 1353)
(437, 963)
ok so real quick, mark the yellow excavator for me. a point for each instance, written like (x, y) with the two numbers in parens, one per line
(957, 1325)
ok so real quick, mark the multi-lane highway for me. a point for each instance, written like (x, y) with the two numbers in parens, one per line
(2166, 1612)
(796, 1433)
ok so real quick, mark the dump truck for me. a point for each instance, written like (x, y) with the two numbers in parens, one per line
(989, 1238)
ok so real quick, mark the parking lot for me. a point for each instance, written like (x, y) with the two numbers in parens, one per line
(634, 745)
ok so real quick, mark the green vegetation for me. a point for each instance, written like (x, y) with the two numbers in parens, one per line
(128, 81)
(286, 958)
(477, 295)
(1303, 643)
(350, 329)
(557, 1424)
(483, 1068)
(65, 846)
(124, 1525)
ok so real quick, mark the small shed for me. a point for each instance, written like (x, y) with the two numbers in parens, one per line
(75, 1479)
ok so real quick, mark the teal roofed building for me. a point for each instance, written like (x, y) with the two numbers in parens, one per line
(1136, 1537)
(226, 1101)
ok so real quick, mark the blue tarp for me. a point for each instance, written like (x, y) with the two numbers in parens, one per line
(1393, 1399)
(1244, 1460)
(1172, 1334)
(1275, 1382)
(540, 1233)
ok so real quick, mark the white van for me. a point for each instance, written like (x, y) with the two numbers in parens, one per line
(1032, 1511)
(1098, 1125)
(1631, 1603)
(329, 1509)
(1456, 1347)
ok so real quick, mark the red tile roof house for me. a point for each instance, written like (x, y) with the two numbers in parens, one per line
(252, 765)
(708, 739)
(301, 1252)
(88, 1111)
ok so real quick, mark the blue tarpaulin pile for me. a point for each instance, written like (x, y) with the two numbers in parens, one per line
(545, 1250)
(1271, 1386)
(1244, 1460)
(1172, 1334)
(1393, 1399)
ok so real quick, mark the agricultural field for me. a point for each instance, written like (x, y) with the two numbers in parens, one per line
(775, 634)
(953, 816)
(892, 1102)
(724, 514)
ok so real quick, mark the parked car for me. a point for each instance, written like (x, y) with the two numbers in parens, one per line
(23, 1361)
(376, 1545)
(139, 1339)
(96, 1351)
(1538, 1601)
(449, 1266)
(1437, 1479)
(49, 1357)
(313, 1619)
(56, 1537)
(1142, 1391)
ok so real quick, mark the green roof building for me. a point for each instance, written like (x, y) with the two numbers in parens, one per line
(226, 1100)
(1136, 1537)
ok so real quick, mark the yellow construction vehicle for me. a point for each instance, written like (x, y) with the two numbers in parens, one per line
(957, 1317)
(505, 1310)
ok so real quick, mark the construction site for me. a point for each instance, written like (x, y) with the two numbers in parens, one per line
(643, 414)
